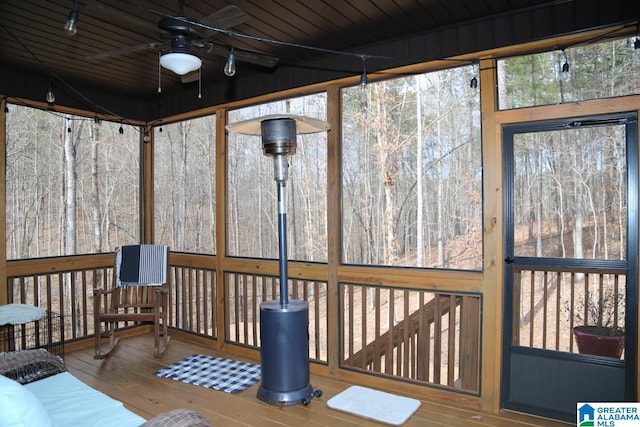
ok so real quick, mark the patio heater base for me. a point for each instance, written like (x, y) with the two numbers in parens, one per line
(284, 353)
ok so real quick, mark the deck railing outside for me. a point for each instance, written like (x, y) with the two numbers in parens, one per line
(430, 337)
(69, 293)
(245, 293)
(549, 302)
(418, 335)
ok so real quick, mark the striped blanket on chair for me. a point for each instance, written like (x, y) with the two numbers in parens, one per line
(141, 265)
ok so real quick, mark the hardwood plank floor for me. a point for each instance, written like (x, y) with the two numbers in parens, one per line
(127, 375)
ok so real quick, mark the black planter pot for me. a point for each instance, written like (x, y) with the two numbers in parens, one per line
(590, 342)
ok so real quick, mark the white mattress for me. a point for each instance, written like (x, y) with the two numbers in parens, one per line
(70, 402)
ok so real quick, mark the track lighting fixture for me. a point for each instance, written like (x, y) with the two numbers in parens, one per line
(565, 66)
(51, 97)
(120, 130)
(71, 26)
(636, 44)
(230, 66)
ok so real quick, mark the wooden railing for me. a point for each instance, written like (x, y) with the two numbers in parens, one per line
(417, 335)
(548, 302)
(244, 294)
(65, 287)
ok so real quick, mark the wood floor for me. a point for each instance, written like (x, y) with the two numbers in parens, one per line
(127, 375)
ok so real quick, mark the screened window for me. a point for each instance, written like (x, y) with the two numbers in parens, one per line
(72, 184)
(412, 181)
(595, 71)
(185, 185)
(252, 200)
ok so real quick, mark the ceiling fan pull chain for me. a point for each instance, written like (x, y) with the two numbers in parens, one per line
(159, 72)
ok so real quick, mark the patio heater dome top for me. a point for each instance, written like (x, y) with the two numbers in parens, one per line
(304, 124)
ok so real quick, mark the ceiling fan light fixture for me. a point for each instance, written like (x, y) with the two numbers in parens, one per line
(180, 63)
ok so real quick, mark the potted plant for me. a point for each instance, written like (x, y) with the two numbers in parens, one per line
(600, 332)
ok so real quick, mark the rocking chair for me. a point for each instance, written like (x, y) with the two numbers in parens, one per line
(139, 294)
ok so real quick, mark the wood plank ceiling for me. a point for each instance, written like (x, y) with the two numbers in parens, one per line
(114, 54)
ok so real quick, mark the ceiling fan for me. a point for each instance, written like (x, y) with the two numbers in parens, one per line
(176, 35)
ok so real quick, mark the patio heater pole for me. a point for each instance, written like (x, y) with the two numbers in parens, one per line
(284, 323)
(282, 243)
(281, 174)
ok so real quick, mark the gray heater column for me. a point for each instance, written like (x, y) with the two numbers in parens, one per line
(284, 324)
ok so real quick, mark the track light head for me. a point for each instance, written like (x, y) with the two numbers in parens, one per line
(636, 43)
(474, 82)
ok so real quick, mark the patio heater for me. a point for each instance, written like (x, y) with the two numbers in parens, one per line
(284, 323)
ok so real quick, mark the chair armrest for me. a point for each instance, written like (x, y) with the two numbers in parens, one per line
(26, 366)
(101, 291)
(178, 418)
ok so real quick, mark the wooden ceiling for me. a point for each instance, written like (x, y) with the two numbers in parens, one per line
(113, 58)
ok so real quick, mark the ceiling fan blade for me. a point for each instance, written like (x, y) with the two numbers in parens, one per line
(115, 16)
(125, 50)
(250, 56)
(257, 58)
(224, 19)
(190, 77)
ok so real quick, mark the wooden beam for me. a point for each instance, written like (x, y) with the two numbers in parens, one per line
(4, 298)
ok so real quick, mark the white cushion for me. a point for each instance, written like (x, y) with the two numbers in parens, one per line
(75, 404)
(19, 407)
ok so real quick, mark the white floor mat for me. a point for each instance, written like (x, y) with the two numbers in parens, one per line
(375, 405)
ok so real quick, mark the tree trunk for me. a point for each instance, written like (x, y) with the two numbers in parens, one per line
(96, 210)
(419, 195)
(70, 178)
(181, 216)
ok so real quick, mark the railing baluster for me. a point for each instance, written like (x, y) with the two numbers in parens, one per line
(363, 325)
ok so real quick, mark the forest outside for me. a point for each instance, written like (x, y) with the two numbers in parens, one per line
(72, 184)
(412, 172)
(185, 185)
(411, 178)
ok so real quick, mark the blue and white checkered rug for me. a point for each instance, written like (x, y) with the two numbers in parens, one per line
(230, 376)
